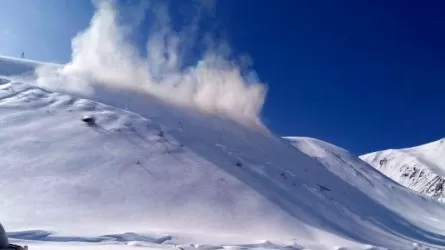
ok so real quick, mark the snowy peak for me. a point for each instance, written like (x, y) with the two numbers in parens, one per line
(431, 154)
(122, 162)
(420, 168)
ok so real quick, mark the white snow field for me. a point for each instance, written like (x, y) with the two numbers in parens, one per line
(153, 175)
(420, 168)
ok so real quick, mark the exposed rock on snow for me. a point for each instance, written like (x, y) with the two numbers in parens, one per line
(420, 168)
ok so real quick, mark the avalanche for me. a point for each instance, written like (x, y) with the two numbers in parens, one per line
(152, 174)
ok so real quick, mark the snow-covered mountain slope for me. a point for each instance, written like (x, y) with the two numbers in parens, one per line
(420, 168)
(175, 175)
(13, 67)
(367, 179)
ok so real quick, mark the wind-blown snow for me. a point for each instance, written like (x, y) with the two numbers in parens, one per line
(174, 175)
(103, 56)
(420, 168)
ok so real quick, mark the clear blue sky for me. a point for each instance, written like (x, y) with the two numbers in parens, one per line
(364, 75)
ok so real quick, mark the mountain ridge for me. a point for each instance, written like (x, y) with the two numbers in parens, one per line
(145, 166)
(420, 168)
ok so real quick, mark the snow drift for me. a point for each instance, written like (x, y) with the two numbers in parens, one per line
(103, 56)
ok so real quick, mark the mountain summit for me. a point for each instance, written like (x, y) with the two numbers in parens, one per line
(420, 168)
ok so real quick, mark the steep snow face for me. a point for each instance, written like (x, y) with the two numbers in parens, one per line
(148, 167)
(122, 169)
(420, 168)
(364, 177)
(342, 163)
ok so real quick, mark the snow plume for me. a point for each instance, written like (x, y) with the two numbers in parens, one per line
(103, 54)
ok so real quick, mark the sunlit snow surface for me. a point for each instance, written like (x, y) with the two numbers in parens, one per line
(176, 178)
(420, 168)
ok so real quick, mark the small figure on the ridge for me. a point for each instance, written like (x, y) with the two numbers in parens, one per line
(22, 55)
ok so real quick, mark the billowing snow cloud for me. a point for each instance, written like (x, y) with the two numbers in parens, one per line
(104, 55)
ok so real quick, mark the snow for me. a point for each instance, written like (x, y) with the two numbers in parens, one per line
(420, 168)
(370, 181)
(157, 175)
(103, 55)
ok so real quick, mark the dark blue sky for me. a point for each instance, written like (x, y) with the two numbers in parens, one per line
(364, 75)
